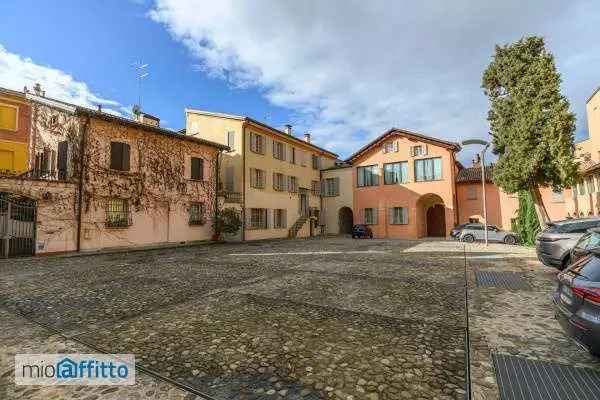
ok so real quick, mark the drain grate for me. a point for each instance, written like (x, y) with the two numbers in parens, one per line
(506, 280)
(522, 379)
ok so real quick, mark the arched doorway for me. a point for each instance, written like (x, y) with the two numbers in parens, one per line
(345, 221)
(431, 216)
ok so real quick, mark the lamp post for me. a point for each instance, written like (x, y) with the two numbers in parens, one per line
(485, 145)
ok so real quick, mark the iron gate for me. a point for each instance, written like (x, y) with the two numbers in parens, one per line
(17, 226)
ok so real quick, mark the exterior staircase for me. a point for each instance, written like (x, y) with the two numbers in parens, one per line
(293, 232)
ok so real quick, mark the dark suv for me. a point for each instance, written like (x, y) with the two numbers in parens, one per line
(553, 245)
(362, 231)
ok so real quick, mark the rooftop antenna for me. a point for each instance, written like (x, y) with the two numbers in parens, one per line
(140, 72)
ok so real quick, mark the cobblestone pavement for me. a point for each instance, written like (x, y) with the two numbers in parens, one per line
(516, 322)
(336, 318)
(316, 319)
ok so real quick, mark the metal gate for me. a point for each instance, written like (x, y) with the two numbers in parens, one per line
(17, 226)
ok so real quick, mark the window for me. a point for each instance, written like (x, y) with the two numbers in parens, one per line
(429, 169)
(398, 216)
(367, 176)
(395, 173)
(471, 193)
(119, 156)
(196, 214)
(316, 162)
(257, 143)
(370, 216)
(117, 214)
(558, 196)
(292, 155)
(278, 182)
(278, 150)
(230, 139)
(331, 187)
(62, 159)
(473, 221)
(302, 157)
(197, 172)
(54, 119)
(257, 178)
(8, 117)
(257, 218)
(315, 188)
(418, 150)
(279, 218)
(292, 184)
(390, 146)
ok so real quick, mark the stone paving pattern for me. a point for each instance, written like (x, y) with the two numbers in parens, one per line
(379, 325)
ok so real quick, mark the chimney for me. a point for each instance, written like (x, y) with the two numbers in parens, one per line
(307, 137)
(477, 161)
(99, 107)
(288, 129)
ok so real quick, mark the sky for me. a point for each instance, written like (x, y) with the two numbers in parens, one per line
(343, 70)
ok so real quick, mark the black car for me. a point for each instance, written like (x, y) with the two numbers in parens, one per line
(577, 301)
(362, 231)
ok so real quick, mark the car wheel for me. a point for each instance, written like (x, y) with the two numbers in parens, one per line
(510, 240)
(468, 239)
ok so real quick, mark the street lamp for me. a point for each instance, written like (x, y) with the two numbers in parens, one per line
(485, 145)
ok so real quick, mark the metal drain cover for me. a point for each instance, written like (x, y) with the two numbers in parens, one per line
(522, 379)
(506, 280)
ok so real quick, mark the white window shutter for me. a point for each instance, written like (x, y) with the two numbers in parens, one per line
(396, 146)
(391, 215)
(412, 151)
(336, 186)
(425, 150)
(404, 215)
(375, 216)
(384, 148)
(269, 218)
(248, 217)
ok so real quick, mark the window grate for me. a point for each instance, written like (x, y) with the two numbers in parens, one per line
(520, 379)
(504, 280)
(118, 214)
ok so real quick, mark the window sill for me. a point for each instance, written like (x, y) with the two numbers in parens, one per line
(109, 226)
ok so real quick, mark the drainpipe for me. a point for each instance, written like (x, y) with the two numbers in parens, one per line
(244, 181)
(80, 186)
(216, 188)
(322, 214)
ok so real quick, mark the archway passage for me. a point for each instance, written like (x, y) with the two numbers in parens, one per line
(431, 216)
(345, 221)
(436, 221)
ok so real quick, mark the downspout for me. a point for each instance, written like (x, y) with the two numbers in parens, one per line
(80, 186)
(216, 189)
(244, 181)
(321, 215)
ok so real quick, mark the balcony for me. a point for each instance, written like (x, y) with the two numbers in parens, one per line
(56, 175)
(232, 197)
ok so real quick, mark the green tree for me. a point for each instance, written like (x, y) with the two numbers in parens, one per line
(531, 125)
(526, 224)
(226, 221)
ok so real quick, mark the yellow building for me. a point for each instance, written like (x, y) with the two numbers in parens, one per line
(15, 126)
(273, 177)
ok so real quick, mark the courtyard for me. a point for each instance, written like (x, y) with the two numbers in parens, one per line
(324, 318)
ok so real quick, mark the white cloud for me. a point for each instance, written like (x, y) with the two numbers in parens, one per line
(352, 69)
(17, 72)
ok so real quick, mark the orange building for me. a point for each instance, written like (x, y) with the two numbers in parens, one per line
(404, 185)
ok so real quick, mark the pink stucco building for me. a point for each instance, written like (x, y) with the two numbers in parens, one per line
(404, 185)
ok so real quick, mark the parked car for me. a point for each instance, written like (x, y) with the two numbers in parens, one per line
(455, 232)
(553, 245)
(474, 232)
(362, 231)
(584, 246)
(577, 301)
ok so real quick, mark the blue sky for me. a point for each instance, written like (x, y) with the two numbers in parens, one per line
(345, 70)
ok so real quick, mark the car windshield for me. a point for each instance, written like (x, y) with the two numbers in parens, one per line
(589, 269)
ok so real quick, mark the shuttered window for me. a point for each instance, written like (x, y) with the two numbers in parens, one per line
(231, 139)
(196, 214)
(278, 150)
(315, 188)
(257, 178)
(256, 218)
(63, 160)
(429, 169)
(370, 216)
(316, 162)
(197, 172)
(8, 117)
(292, 184)
(398, 216)
(119, 156)
(257, 143)
(278, 182)
(330, 187)
(279, 218)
